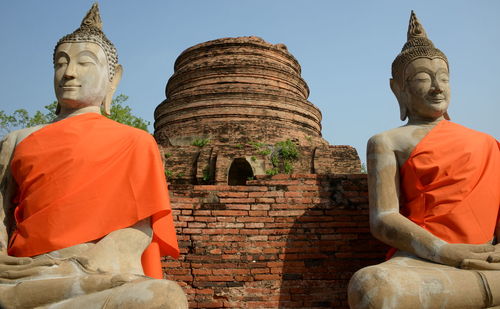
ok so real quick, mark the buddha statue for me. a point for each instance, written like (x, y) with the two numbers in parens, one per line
(85, 213)
(434, 192)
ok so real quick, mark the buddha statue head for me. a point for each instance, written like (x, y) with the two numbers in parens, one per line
(420, 76)
(86, 69)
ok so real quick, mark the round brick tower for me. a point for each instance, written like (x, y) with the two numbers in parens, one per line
(237, 109)
(236, 90)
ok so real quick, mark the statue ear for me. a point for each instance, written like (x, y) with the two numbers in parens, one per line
(401, 97)
(446, 115)
(112, 88)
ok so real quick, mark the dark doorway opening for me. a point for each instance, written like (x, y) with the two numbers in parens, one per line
(239, 172)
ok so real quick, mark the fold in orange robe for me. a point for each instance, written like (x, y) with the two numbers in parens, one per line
(451, 184)
(84, 177)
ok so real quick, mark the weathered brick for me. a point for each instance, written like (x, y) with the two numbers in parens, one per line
(232, 213)
(265, 194)
(254, 225)
(267, 277)
(238, 206)
(264, 200)
(232, 194)
(285, 213)
(201, 272)
(237, 200)
(260, 207)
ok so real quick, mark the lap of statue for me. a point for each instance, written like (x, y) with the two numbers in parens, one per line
(106, 273)
(407, 281)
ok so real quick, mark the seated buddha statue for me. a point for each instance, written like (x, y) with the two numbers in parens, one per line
(85, 213)
(434, 194)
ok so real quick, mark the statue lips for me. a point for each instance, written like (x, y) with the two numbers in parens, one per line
(436, 100)
(70, 87)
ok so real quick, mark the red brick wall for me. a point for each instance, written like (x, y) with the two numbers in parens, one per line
(286, 241)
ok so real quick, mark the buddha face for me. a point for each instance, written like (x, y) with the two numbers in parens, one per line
(427, 88)
(80, 75)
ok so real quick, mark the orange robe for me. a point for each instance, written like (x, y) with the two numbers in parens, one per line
(84, 177)
(451, 184)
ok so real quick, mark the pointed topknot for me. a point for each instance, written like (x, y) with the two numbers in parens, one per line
(90, 30)
(417, 45)
(93, 18)
(415, 28)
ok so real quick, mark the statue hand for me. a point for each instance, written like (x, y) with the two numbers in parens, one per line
(13, 263)
(13, 269)
(495, 256)
(456, 254)
(479, 265)
(13, 260)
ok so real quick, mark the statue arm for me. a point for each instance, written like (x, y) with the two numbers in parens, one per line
(120, 251)
(7, 189)
(392, 228)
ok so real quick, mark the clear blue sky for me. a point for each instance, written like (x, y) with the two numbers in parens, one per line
(345, 49)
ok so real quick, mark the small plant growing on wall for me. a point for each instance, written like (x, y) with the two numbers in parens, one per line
(257, 145)
(206, 174)
(265, 152)
(168, 173)
(200, 142)
(272, 171)
(282, 158)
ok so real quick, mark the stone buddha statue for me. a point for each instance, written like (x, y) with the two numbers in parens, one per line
(85, 212)
(434, 191)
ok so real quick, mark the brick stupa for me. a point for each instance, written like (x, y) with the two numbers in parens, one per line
(230, 103)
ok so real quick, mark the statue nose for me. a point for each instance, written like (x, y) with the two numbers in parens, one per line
(436, 90)
(70, 71)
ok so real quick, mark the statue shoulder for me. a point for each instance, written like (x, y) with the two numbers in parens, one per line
(139, 136)
(9, 143)
(18, 135)
(384, 141)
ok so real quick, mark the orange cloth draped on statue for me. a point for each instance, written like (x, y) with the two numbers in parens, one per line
(451, 184)
(84, 177)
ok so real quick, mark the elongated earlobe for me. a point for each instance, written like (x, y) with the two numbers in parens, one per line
(446, 115)
(112, 88)
(403, 111)
(106, 104)
(396, 89)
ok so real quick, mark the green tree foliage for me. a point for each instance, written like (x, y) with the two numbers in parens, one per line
(123, 114)
(21, 118)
